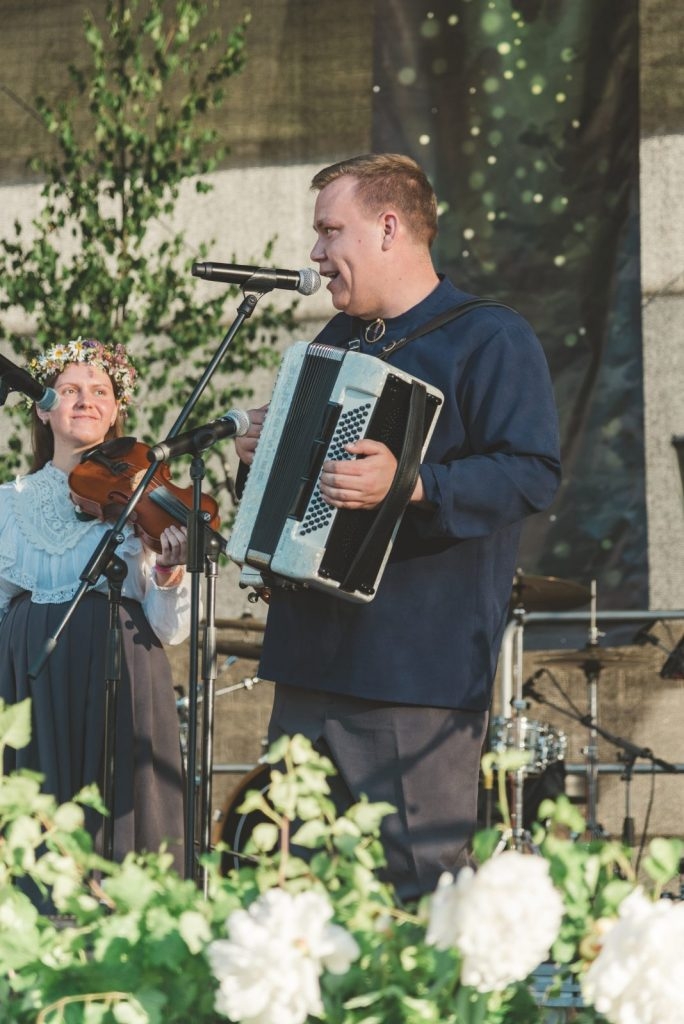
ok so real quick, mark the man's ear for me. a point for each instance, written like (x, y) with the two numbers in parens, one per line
(390, 226)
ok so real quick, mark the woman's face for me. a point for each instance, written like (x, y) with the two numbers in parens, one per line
(86, 410)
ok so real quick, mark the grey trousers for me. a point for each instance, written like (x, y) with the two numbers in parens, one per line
(423, 761)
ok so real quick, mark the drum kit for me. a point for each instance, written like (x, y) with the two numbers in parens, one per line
(543, 744)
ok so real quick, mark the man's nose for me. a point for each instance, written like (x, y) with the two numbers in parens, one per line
(318, 252)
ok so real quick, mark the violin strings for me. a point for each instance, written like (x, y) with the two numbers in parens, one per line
(170, 504)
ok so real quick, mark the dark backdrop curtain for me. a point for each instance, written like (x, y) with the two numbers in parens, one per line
(525, 115)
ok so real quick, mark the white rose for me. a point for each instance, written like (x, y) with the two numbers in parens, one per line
(503, 919)
(269, 968)
(636, 978)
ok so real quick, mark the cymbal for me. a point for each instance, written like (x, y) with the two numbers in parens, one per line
(547, 593)
(599, 656)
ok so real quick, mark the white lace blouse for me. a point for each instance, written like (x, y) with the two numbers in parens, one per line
(44, 548)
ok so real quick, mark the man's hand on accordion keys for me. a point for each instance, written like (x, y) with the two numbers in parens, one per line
(362, 482)
(245, 446)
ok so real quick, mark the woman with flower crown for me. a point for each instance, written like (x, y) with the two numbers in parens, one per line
(44, 548)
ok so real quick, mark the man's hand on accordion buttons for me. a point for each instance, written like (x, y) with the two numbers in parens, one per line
(245, 446)
(362, 482)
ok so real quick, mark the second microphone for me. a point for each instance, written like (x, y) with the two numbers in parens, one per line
(234, 424)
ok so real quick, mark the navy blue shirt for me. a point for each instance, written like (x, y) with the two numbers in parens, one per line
(432, 633)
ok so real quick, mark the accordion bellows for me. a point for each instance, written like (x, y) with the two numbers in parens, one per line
(324, 397)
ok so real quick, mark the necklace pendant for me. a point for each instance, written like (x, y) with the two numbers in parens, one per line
(374, 331)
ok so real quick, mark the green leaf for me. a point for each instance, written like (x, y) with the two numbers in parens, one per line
(194, 930)
(264, 837)
(132, 888)
(15, 724)
(663, 859)
(69, 817)
(311, 834)
(485, 843)
(368, 816)
(132, 1012)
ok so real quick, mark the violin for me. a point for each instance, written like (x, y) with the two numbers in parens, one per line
(106, 477)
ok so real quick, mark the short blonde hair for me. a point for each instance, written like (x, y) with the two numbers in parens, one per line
(384, 178)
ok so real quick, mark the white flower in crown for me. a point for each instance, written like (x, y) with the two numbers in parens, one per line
(76, 349)
(59, 353)
(113, 359)
(269, 968)
(503, 919)
(636, 977)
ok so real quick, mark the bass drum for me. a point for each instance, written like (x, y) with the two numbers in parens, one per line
(234, 827)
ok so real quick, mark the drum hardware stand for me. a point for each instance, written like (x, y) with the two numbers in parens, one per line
(592, 670)
(568, 593)
(592, 666)
(628, 831)
(521, 837)
(630, 753)
(112, 538)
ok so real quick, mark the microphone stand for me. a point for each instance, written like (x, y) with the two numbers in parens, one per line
(116, 574)
(210, 665)
(630, 753)
(203, 551)
(105, 553)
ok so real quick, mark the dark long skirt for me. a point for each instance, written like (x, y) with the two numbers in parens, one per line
(68, 715)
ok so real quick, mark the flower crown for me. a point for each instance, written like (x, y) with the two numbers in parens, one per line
(113, 359)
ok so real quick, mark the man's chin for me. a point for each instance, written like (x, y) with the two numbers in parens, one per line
(338, 296)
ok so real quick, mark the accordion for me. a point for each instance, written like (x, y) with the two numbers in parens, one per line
(285, 533)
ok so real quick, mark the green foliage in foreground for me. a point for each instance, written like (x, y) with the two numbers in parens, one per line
(127, 942)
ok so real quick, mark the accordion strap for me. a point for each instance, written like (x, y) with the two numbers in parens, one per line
(392, 508)
(438, 321)
(379, 535)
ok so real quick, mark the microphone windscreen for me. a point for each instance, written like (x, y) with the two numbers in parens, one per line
(241, 419)
(309, 281)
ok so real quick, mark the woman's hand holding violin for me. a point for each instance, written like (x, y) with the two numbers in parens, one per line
(174, 555)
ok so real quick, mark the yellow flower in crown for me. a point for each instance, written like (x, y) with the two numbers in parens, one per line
(113, 359)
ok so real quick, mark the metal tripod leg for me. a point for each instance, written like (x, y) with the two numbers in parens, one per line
(520, 839)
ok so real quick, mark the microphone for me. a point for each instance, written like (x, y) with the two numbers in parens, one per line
(234, 424)
(305, 281)
(18, 379)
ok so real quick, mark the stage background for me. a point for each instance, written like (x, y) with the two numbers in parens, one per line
(526, 116)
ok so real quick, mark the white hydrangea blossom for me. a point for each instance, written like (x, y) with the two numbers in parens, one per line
(503, 919)
(636, 978)
(269, 968)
